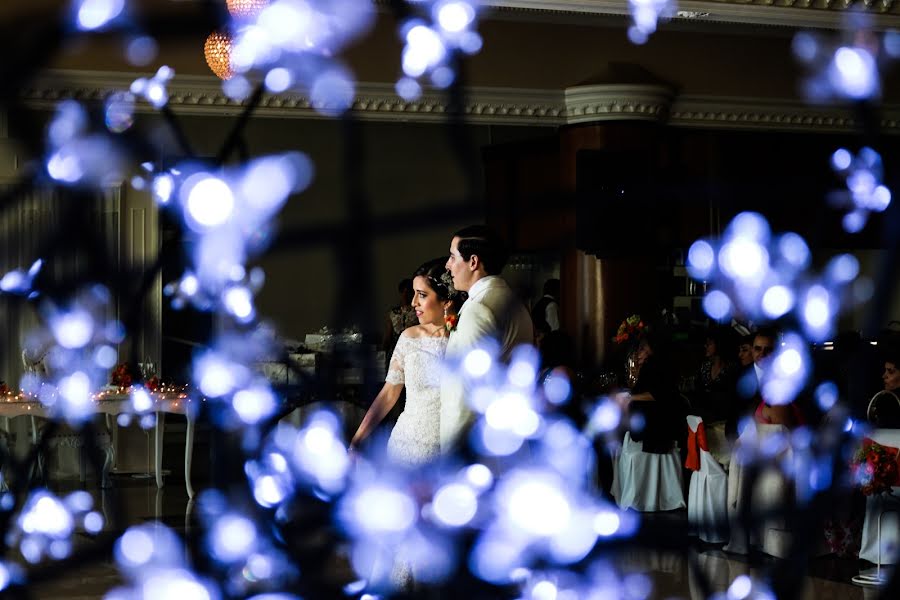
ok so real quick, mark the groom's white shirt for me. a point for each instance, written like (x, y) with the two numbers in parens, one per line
(492, 310)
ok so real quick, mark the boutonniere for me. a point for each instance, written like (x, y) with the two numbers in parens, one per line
(450, 321)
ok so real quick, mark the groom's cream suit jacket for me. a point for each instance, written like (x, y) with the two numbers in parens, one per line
(494, 311)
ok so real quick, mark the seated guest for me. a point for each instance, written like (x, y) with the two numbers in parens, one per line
(745, 351)
(750, 385)
(715, 381)
(653, 399)
(885, 410)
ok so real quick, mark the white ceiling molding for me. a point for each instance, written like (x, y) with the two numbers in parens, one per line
(199, 95)
(825, 14)
(606, 102)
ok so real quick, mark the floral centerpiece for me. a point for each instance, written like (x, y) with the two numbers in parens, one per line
(121, 376)
(4, 389)
(874, 467)
(629, 333)
(630, 330)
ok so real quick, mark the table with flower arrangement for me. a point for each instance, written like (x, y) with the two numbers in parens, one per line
(881, 548)
(113, 402)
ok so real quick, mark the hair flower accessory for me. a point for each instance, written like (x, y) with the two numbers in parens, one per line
(447, 281)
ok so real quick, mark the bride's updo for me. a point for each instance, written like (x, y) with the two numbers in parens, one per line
(441, 282)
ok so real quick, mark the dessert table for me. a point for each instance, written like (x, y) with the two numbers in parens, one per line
(114, 403)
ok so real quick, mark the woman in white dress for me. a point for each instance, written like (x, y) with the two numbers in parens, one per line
(416, 364)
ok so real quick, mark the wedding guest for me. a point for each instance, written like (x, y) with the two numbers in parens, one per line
(557, 357)
(745, 351)
(399, 317)
(751, 384)
(545, 312)
(885, 411)
(716, 378)
(653, 399)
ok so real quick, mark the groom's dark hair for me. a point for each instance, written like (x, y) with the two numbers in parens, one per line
(480, 241)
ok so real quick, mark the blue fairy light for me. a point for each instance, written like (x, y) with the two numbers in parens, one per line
(332, 91)
(429, 43)
(606, 417)
(119, 111)
(479, 476)
(208, 201)
(163, 185)
(843, 268)
(455, 504)
(232, 538)
(717, 305)
(777, 301)
(92, 15)
(154, 90)
(408, 89)
(853, 73)
(477, 362)
(255, 403)
(46, 524)
(826, 395)
(278, 80)
(645, 15)
(141, 50)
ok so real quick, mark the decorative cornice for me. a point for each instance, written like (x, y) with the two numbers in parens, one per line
(195, 95)
(826, 14)
(607, 102)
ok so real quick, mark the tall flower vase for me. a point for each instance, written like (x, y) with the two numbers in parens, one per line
(631, 366)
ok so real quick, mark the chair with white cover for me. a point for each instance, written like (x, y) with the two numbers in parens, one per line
(884, 406)
(645, 481)
(882, 549)
(770, 444)
(708, 490)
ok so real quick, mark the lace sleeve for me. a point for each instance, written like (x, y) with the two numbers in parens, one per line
(395, 373)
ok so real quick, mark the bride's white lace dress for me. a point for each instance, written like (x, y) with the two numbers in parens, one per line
(416, 363)
(416, 438)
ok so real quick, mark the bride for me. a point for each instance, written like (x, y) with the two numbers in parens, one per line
(416, 364)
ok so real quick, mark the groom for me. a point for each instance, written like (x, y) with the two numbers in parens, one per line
(492, 311)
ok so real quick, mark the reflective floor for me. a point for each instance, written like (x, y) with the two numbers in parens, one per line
(826, 577)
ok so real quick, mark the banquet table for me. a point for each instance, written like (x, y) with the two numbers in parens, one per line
(116, 403)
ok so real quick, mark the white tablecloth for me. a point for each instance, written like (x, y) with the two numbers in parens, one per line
(117, 403)
(875, 506)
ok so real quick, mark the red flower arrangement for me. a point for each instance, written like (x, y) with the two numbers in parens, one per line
(4, 389)
(121, 377)
(874, 467)
(152, 383)
(631, 328)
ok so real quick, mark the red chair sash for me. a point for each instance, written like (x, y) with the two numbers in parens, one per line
(695, 443)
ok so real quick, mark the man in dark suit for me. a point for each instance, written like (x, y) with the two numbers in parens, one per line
(748, 395)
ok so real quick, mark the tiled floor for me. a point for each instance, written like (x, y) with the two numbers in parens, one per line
(826, 579)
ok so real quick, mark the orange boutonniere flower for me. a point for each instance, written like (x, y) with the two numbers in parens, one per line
(450, 321)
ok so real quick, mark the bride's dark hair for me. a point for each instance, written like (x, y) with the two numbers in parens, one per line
(440, 281)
